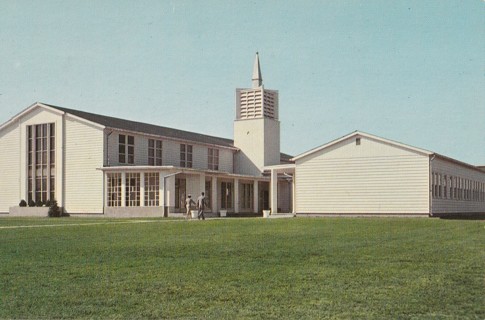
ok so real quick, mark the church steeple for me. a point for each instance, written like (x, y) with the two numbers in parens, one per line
(256, 102)
(256, 127)
(257, 78)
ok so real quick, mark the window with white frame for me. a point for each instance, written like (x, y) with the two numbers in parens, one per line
(152, 187)
(126, 149)
(132, 187)
(440, 186)
(41, 158)
(186, 155)
(435, 185)
(461, 193)
(154, 152)
(445, 187)
(114, 189)
(453, 187)
(213, 159)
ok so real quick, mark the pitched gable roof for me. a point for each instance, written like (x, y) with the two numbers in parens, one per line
(387, 141)
(145, 128)
(362, 134)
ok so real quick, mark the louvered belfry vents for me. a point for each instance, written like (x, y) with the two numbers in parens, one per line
(257, 102)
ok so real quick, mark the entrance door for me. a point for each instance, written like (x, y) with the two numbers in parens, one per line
(180, 193)
(264, 200)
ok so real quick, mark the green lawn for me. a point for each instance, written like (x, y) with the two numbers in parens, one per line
(313, 268)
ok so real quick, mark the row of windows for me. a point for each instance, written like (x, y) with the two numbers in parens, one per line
(126, 153)
(132, 185)
(152, 191)
(132, 189)
(457, 188)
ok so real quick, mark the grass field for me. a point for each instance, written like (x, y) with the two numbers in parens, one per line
(302, 268)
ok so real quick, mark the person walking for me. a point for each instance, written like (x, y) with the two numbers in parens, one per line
(188, 204)
(201, 206)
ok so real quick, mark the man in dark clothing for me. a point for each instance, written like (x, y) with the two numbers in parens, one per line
(201, 206)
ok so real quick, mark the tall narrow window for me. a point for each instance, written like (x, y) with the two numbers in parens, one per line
(208, 193)
(132, 190)
(453, 188)
(131, 149)
(126, 149)
(154, 152)
(213, 159)
(30, 163)
(41, 162)
(52, 161)
(247, 196)
(122, 148)
(460, 190)
(435, 185)
(440, 186)
(152, 183)
(114, 189)
(226, 195)
(445, 187)
(186, 155)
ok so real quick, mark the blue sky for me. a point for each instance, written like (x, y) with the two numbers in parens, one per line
(410, 71)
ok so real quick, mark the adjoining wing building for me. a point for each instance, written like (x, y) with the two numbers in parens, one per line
(95, 164)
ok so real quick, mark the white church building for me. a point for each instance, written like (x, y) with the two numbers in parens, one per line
(95, 164)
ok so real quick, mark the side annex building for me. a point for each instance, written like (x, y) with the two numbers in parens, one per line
(95, 164)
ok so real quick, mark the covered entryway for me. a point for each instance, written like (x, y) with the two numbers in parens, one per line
(282, 187)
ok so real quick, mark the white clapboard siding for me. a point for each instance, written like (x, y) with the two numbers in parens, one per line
(13, 164)
(10, 164)
(454, 169)
(199, 157)
(171, 153)
(373, 177)
(226, 158)
(83, 155)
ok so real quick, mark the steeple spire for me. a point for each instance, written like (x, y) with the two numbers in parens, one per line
(257, 78)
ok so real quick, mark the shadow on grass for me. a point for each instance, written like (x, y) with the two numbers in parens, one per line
(464, 216)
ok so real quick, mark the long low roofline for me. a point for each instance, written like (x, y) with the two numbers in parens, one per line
(181, 170)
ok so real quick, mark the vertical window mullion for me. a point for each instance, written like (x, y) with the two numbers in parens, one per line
(48, 162)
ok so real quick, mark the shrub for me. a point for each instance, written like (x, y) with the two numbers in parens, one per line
(39, 203)
(31, 203)
(47, 203)
(54, 210)
(22, 203)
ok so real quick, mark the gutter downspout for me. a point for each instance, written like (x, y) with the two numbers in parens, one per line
(104, 174)
(107, 147)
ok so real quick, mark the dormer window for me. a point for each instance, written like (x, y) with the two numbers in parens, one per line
(357, 141)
